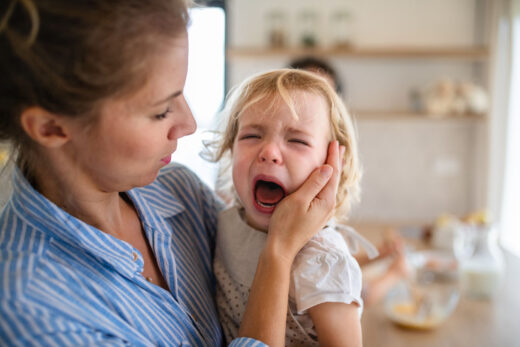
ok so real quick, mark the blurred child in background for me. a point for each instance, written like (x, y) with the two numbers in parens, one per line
(391, 251)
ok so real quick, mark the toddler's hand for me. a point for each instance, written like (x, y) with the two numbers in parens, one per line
(303, 213)
(399, 267)
(392, 244)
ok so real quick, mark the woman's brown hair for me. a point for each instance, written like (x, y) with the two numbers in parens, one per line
(67, 56)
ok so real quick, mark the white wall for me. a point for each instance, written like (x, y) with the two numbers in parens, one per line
(374, 22)
(370, 84)
(415, 169)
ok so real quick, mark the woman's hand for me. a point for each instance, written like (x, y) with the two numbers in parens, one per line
(303, 213)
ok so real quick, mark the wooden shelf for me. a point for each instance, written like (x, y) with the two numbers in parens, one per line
(383, 115)
(468, 53)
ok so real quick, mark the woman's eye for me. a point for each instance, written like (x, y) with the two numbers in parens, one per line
(162, 115)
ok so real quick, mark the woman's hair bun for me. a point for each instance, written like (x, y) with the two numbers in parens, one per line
(27, 6)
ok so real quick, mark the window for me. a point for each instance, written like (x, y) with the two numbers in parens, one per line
(509, 217)
(205, 85)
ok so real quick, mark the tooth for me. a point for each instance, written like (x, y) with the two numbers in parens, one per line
(265, 205)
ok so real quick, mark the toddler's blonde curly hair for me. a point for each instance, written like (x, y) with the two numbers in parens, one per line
(276, 84)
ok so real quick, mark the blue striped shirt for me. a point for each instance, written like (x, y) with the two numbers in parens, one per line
(66, 283)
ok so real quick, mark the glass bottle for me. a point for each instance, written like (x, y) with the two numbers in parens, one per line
(308, 23)
(341, 29)
(481, 272)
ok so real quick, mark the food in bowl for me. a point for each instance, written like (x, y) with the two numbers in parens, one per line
(429, 297)
(426, 313)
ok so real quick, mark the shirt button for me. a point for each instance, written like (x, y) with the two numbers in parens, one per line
(134, 254)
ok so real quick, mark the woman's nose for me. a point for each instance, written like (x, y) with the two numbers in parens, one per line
(184, 123)
(270, 152)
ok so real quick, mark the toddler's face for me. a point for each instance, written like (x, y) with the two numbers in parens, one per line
(274, 152)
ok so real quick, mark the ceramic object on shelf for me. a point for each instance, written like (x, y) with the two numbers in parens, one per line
(447, 97)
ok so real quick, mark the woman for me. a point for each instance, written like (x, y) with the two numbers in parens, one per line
(99, 244)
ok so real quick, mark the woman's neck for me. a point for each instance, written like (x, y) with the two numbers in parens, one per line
(80, 198)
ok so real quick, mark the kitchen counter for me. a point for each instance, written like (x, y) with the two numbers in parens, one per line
(475, 323)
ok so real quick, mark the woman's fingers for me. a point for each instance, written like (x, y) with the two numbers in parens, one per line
(300, 215)
(335, 160)
(321, 186)
(304, 212)
(313, 185)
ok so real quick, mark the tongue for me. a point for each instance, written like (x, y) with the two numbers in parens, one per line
(269, 193)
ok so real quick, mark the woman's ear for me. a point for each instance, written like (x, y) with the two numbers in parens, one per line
(45, 128)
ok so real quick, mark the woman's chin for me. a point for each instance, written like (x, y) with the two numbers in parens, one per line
(145, 180)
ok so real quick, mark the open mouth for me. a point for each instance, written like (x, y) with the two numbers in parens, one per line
(268, 194)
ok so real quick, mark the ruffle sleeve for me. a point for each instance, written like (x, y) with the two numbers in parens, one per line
(325, 271)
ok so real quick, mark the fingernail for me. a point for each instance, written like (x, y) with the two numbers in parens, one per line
(326, 171)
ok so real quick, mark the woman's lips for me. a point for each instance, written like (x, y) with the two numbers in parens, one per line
(166, 160)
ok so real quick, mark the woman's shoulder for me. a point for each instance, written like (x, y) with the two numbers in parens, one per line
(19, 236)
(22, 250)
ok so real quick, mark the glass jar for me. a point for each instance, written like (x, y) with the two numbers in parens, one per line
(482, 266)
(276, 28)
(341, 29)
(308, 27)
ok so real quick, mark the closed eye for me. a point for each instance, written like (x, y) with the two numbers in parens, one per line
(299, 141)
(249, 136)
(162, 115)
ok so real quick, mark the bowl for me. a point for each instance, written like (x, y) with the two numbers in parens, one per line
(429, 297)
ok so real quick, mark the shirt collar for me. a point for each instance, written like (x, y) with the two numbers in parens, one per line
(45, 216)
(156, 199)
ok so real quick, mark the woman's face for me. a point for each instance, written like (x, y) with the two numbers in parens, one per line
(135, 135)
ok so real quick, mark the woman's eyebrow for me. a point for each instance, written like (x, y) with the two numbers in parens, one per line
(171, 96)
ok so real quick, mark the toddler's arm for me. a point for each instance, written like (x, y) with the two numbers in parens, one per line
(376, 289)
(391, 245)
(337, 324)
